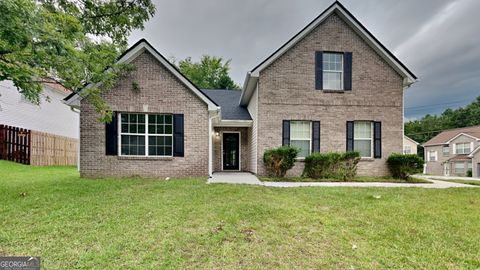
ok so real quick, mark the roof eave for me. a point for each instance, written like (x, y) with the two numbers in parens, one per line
(248, 88)
(133, 52)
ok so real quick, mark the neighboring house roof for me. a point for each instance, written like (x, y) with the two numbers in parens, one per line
(459, 158)
(408, 138)
(339, 9)
(472, 154)
(445, 137)
(57, 86)
(228, 101)
(132, 53)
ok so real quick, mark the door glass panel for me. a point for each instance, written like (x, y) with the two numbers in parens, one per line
(231, 150)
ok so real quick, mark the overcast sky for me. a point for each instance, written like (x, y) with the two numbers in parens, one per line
(439, 40)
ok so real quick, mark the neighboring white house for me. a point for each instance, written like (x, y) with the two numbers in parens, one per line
(409, 145)
(53, 117)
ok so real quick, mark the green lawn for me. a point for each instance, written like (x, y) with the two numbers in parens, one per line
(356, 179)
(75, 223)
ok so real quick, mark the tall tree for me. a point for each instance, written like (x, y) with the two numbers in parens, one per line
(209, 73)
(428, 126)
(70, 41)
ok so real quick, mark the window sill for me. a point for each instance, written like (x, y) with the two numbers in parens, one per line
(143, 158)
(333, 91)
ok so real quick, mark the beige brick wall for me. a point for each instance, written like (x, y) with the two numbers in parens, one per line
(476, 165)
(287, 91)
(161, 92)
(436, 167)
(409, 144)
(244, 147)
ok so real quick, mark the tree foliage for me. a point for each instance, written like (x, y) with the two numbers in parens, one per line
(70, 41)
(428, 126)
(209, 73)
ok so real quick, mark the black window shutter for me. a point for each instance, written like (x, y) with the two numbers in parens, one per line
(319, 70)
(316, 136)
(347, 71)
(286, 133)
(349, 136)
(111, 136)
(178, 135)
(377, 139)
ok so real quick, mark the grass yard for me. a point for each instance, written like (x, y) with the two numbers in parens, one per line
(357, 179)
(462, 181)
(76, 223)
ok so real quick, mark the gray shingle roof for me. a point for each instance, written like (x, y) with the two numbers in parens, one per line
(229, 101)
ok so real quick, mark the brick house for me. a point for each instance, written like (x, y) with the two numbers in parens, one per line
(409, 146)
(331, 87)
(454, 152)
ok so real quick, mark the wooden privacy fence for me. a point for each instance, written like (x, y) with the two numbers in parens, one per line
(37, 148)
(15, 144)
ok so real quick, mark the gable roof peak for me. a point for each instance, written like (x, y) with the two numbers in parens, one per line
(337, 8)
(132, 53)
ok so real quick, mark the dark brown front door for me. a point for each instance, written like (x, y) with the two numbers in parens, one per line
(231, 151)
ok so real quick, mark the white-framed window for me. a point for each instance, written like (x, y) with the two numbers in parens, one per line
(146, 134)
(301, 137)
(446, 150)
(469, 166)
(462, 148)
(460, 167)
(432, 156)
(363, 138)
(332, 71)
(407, 149)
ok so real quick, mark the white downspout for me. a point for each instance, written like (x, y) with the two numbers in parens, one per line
(210, 147)
(78, 141)
(211, 116)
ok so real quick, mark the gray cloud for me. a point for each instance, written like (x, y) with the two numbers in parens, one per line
(436, 39)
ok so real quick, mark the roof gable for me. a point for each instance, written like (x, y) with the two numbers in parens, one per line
(445, 137)
(132, 53)
(410, 139)
(336, 8)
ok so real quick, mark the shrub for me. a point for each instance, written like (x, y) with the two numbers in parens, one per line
(279, 160)
(333, 165)
(402, 166)
(469, 173)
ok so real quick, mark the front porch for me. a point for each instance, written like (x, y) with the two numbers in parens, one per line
(231, 150)
(459, 165)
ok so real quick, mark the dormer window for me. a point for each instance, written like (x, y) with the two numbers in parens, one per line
(333, 71)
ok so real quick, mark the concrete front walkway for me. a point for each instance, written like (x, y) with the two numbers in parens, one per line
(441, 177)
(250, 179)
(234, 178)
(434, 184)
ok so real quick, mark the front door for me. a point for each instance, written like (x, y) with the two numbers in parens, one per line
(446, 169)
(231, 151)
(478, 170)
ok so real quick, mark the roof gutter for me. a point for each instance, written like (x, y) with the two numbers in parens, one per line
(248, 88)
